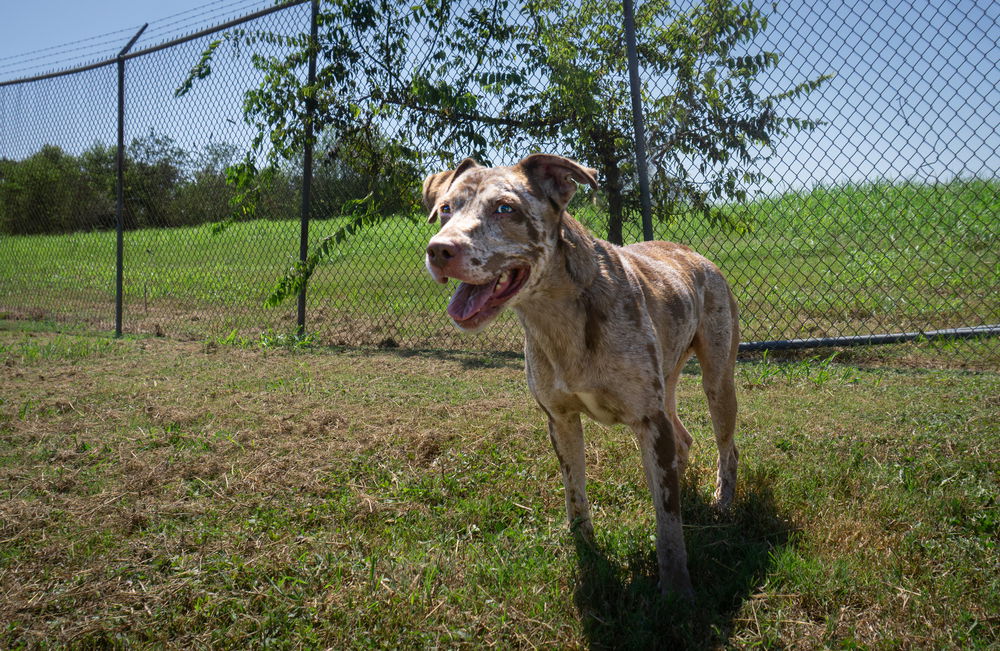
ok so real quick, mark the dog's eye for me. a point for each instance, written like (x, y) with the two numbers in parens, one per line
(505, 209)
(445, 209)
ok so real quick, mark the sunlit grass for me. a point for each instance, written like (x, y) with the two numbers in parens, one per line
(832, 261)
(250, 494)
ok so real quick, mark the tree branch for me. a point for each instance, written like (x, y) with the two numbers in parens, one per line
(450, 115)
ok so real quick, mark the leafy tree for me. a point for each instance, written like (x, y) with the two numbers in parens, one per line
(364, 164)
(203, 195)
(153, 173)
(708, 127)
(51, 192)
(98, 164)
(455, 79)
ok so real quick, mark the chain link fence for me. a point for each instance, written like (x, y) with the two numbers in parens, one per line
(881, 217)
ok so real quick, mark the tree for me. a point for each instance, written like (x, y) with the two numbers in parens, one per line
(203, 195)
(364, 163)
(708, 128)
(98, 164)
(153, 173)
(52, 191)
(455, 79)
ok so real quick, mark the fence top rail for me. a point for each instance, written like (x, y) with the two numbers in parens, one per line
(160, 46)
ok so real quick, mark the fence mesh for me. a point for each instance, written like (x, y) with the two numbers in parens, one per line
(57, 133)
(883, 219)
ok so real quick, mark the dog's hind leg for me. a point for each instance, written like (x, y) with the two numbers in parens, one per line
(566, 434)
(716, 345)
(683, 437)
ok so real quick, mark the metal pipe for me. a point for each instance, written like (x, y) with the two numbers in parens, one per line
(307, 159)
(638, 122)
(970, 332)
(120, 184)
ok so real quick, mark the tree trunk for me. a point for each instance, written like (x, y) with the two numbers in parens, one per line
(613, 188)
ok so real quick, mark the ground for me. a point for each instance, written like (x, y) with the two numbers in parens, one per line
(208, 494)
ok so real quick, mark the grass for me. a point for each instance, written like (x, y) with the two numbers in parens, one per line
(831, 261)
(272, 492)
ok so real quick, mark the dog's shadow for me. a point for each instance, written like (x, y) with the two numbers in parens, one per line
(729, 556)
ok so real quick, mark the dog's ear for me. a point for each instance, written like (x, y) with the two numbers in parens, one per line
(437, 184)
(557, 176)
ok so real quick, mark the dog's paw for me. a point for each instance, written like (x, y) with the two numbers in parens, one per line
(723, 498)
(583, 530)
(679, 586)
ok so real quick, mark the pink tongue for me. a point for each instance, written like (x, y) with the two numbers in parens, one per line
(469, 300)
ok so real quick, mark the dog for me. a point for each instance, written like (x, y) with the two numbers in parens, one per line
(607, 329)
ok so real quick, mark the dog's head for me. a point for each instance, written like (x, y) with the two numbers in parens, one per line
(499, 227)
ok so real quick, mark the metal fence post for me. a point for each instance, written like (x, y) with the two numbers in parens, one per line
(638, 124)
(120, 183)
(307, 158)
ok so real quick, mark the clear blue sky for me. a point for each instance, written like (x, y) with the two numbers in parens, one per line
(916, 94)
(36, 35)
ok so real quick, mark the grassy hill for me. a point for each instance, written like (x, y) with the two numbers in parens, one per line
(831, 261)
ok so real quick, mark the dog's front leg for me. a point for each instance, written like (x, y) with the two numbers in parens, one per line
(661, 461)
(566, 434)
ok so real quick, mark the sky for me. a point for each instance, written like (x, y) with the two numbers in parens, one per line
(916, 92)
(36, 35)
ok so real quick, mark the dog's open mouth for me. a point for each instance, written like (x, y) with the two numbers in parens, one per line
(473, 305)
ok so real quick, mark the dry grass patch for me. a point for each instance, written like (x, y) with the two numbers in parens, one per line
(191, 494)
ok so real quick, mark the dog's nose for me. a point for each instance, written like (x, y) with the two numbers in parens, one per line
(440, 254)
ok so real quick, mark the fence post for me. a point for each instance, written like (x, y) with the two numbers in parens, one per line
(120, 183)
(638, 123)
(307, 158)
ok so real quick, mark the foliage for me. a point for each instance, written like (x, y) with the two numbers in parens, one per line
(454, 79)
(154, 171)
(364, 164)
(360, 213)
(204, 195)
(53, 191)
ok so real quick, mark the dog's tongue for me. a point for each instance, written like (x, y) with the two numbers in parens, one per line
(469, 300)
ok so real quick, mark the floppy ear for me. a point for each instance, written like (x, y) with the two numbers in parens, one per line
(437, 184)
(557, 176)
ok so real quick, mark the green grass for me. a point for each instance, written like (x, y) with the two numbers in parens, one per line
(270, 493)
(832, 261)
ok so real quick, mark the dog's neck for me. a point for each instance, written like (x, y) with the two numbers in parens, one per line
(560, 309)
(576, 252)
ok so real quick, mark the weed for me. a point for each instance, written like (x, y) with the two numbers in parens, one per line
(288, 340)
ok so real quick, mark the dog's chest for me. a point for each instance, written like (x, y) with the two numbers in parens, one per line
(578, 387)
(599, 407)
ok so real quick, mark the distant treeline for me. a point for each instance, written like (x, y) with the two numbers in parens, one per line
(53, 191)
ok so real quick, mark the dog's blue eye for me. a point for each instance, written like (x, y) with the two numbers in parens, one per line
(504, 209)
(445, 209)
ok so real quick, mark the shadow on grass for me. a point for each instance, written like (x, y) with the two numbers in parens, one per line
(729, 556)
(467, 359)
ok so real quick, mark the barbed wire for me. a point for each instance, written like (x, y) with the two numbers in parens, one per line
(199, 18)
(65, 56)
(21, 56)
(105, 46)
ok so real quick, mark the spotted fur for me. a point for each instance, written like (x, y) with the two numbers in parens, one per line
(608, 329)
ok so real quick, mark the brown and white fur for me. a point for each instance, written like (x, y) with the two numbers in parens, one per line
(607, 329)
